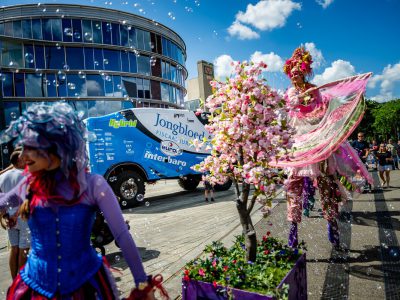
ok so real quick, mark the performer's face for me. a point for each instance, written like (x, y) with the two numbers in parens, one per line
(360, 137)
(39, 160)
(297, 78)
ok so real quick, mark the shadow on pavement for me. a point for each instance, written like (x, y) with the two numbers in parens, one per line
(371, 218)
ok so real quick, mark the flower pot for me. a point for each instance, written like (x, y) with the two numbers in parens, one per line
(296, 278)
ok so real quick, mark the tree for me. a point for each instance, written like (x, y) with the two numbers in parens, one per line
(249, 130)
(387, 121)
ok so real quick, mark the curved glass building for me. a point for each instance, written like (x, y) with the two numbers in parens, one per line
(100, 60)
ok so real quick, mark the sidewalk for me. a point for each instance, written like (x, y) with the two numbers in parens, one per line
(175, 228)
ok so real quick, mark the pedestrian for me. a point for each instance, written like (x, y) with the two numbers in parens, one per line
(208, 189)
(17, 229)
(392, 148)
(385, 159)
(60, 198)
(312, 117)
(362, 148)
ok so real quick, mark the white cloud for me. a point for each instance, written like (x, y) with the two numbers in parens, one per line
(242, 32)
(273, 61)
(222, 66)
(387, 82)
(318, 58)
(324, 3)
(339, 69)
(268, 14)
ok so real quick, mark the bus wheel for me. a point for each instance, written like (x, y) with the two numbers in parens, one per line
(223, 187)
(189, 183)
(130, 189)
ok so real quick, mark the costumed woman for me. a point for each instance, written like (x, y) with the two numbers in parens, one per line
(323, 117)
(59, 198)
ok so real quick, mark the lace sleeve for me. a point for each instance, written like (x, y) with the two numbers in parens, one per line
(292, 100)
(13, 198)
(108, 204)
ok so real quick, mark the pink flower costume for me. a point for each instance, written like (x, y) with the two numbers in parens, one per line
(324, 117)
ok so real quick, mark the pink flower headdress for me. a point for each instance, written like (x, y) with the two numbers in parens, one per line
(300, 62)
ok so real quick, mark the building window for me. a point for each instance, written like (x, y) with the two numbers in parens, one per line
(97, 32)
(111, 60)
(132, 62)
(75, 58)
(12, 54)
(35, 86)
(106, 28)
(87, 31)
(98, 59)
(76, 86)
(37, 29)
(17, 29)
(11, 111)
(29, 56)
(77, 30)
(94, 85)
(51, 84)
(19, 83)
(164, 92)
(8, 28)
(89, 60)
(56, 29)
(8, 84)
(124, 36)
(55, 58)
(46, 29)
(67, 30)
(143, 65)
(26, 29)
(125, 61)
(115, 34)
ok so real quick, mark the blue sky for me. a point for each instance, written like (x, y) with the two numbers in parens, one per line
(346, 37)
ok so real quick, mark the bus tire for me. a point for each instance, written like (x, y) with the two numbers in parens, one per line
(127, 187)
(223, 187)
(189, 183)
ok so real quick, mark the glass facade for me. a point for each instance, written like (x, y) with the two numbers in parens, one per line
(88, 62)
(80, 59)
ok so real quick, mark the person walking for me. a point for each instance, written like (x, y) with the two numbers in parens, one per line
(385, 160)
(59, 198)
(17, 229)
(392, 148)
(208, 190)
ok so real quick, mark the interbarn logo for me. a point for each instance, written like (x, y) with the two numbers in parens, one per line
(122, 123)
(170, 148)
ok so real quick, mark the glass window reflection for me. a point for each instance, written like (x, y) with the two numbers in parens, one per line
(67, 30)
(17, 28)
(29, 57)
(12, 54)
(39, 57)
(124, 36)
(54, 57)
(146, 41)
(108, 83)
(56, 29)
(61, 84)
(143, 65)
(140, 39)
(106, 29)
(77, 30)
(27, 29)
(132, 38)
(132, 62)
(75, 58)
(8, 84)
(81, 106)
(76, 86)
(97, 32)
(11, 111)
(96, 108)
(117, 86)
(46, 29)
(164, 92)
(87, 31)
(94, 85)
(98, 59)
(37, 29)
(115, 34)
(89, 60)
(51, 84)
(111, 60)
(8, 28)
(35, 85)
(125, 61)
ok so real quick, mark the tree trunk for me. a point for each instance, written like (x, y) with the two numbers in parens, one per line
(247, 224)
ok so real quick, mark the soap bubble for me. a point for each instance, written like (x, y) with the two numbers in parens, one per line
(68, 31)
(139, 197)
(147, 203)
(29, 58)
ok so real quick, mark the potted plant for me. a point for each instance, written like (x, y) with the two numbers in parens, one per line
(249, 129)
(226, 274)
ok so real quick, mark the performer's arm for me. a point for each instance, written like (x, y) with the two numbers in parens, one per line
(13, 198)
(108, 204)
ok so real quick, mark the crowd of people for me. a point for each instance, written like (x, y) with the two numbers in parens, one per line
(382, 157)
